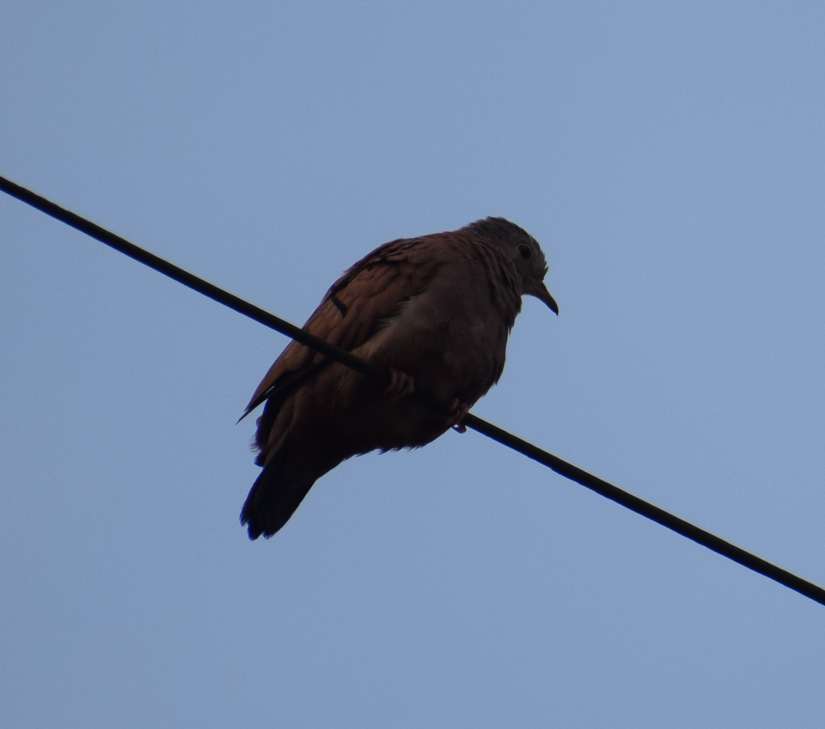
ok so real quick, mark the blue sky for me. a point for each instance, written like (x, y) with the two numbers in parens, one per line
(671, 160)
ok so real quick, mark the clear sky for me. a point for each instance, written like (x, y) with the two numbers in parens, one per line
(671, 159)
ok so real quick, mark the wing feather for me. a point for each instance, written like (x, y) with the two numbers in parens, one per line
(352, 311)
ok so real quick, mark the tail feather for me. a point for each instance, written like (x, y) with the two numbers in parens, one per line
(274, 496)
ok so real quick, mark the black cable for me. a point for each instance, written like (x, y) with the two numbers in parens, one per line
(568, 470)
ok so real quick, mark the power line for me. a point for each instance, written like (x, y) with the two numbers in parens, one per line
(563, 468)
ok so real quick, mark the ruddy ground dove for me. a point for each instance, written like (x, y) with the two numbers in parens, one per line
(435, 313)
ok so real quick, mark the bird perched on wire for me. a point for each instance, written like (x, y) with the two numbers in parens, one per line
(435, 313)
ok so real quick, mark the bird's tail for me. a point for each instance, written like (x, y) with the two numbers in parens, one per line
(276, 494)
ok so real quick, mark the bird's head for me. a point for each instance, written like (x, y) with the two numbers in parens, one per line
(525, 252)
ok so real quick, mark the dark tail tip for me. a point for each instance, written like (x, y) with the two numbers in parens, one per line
(273, 499)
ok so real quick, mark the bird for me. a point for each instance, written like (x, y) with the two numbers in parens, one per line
(435, 313)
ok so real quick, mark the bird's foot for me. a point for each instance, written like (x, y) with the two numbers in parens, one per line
(457, 412)
(401, 385)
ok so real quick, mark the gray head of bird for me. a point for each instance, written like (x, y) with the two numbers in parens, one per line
(525, 252)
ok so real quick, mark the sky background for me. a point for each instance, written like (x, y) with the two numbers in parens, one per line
(671, 159)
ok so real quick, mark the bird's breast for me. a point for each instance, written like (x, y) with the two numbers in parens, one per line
(453, 345)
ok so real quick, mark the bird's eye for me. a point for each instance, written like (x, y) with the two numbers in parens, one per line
(524, 251)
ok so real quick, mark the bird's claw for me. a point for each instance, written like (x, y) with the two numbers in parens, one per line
(457, 412)
(401, 385)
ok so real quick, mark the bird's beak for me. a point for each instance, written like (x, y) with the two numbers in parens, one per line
(542, 294)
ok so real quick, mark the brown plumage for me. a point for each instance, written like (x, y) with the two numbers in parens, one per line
(435, 311)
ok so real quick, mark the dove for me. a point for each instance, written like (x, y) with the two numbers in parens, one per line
(435, 313)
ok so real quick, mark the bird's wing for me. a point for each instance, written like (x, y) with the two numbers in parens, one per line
(368, 294)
